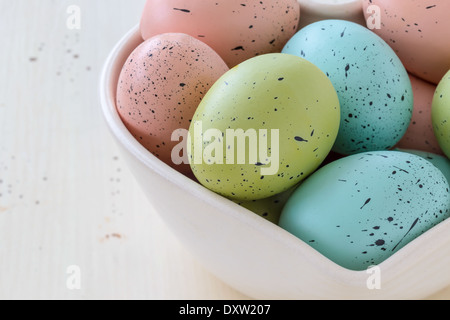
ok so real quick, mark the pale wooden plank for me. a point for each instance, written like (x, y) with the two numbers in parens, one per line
(66, 196)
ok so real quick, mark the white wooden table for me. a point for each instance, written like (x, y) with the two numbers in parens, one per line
(73, 222)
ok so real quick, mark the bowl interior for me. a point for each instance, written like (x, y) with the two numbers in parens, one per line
(334, 7)
(316, 10)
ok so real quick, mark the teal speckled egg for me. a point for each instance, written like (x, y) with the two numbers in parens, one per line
(361, 209)
(373, 86)
(441, 162)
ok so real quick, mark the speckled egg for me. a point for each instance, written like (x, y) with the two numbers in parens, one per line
(441, 114)
(361, 209)
(418, 31)
(236, 29)
(159, 88)
(263, 127)
(268, 208)
(373, 86)
(439, 161)
(420, 134)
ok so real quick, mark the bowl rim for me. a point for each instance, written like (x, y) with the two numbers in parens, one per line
(338, 8)
(392, 267)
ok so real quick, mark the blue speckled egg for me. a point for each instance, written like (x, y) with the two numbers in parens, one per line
(361, 209)
(441, 162)
(373, 86)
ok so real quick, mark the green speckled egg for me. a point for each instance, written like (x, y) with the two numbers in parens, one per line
(373, 86)
(263, 127)
(361, 209)
(441, 114)
(268, 208)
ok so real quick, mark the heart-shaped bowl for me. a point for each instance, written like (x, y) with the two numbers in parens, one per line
(251, 254)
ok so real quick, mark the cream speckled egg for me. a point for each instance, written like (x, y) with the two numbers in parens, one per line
(236, 29)
(418, 31)
(160, 87)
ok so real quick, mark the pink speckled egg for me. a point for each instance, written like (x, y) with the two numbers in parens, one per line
(160, 87)
(236, 29)
(418, 31)
(420, 135)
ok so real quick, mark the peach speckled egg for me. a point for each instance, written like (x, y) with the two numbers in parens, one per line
(420, 133)
(160, 87)
(418, 31)
(236, 29)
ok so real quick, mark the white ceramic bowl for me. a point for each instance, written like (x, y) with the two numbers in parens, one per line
(250, 253)
(316, 10)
